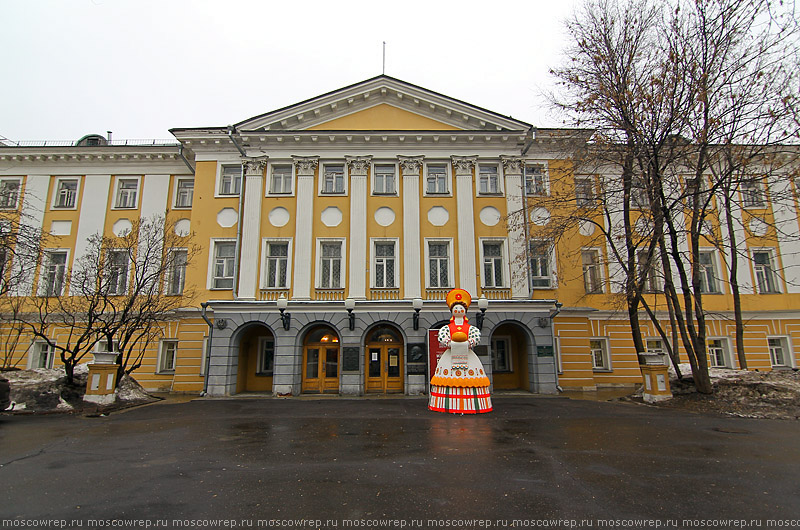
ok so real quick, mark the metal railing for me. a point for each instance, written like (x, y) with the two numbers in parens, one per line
(75, 143)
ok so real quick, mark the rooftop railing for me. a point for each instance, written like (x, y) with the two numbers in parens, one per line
(79, 143)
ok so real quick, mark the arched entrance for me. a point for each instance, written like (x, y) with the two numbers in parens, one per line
(256, 359)
(384, 362)
(509, 347)
(321, 361)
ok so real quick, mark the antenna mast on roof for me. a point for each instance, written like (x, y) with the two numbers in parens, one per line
(384, 58)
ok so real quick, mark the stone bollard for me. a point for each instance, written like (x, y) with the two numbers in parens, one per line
(656, 377)
(102, 384)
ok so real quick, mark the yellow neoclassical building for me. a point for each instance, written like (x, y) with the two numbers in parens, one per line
(331, 230)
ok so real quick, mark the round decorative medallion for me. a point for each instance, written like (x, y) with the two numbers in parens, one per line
(490, 216)
(586, 228)
(279, 217)
(227, 217)
(183, 227)
(122, 227)
(438, 216)
(384, 216)
(540, 216)
(331, 216)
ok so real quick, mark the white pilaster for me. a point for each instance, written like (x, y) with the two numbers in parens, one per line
(616, 226)
(412, 267)
(155, 192)
(788, 230)
(520, 286)
(304, 237)
(464, 167)
(251, 228)
(358, 225)
(743, 276)
(33, 206)
(93, 211)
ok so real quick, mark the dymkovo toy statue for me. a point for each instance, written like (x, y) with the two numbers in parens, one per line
(459, 385)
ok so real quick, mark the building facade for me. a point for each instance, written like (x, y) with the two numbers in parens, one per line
(331, 230)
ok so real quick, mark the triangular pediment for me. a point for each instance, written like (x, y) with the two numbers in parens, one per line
(381, 103)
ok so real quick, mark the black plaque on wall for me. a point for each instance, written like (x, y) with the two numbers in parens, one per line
(416, 352)
(350, 356)
(417, 369)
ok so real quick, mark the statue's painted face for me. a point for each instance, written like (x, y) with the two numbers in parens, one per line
(459, 310)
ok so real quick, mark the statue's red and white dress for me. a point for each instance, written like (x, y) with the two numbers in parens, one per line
(459, 385)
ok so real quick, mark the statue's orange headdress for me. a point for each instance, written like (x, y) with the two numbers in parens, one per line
(458, 296)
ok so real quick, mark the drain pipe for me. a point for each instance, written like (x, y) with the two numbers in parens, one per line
(185, 161)
(237, 253)
(204, 305)
(553, 339)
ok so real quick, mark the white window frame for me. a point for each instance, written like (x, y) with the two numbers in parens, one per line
(788, 351)
(113, 290)
(773, 259)
(499, 174)
(118, 180)
(57, 184)
(551, 264)
(292, 175)
(450, 265)
(374, 242)
(638, 198)
(599, 265)
(605, 355)
(101, 346)
(724, 345)
(265, 242)
(176, 191)
(221, 165)
(496, 368)
(162, 356)
(345, 179)
(529, 191)
(716, 268)
(746, 195)
(44, 269)
(262, 342)
(18, 181)
(580, 200)
(655, 279)
(373, 181)
(342, 265)
(448, 178)
(35, 356)
(503, 256)
(169, 273)
(211, 262)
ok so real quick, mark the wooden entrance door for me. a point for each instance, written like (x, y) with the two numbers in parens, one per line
(321, 362)
(384, 362)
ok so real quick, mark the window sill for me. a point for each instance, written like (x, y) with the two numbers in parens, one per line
(490, 194)
(388, 194)
(181, 207)
(165, 372)
(63, 208)
(602, 370)
(263, 374)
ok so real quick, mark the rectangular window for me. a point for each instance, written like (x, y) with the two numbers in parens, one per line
(649, 271)
(384, 265)
(266, 356)
(592, 279)
(717, 354)
(385, 181)
(127, 193)
(488, 179)
(752, 193)
(54, 273)
(9, 193)
(436, 179)
(493, 264)
(176, 271)
(277, 259)
(535, 180)
(439, 264)
(584, 192)
(779, 351)
(184, 193)
(764, 266)
(66, 193)
(117, 262)
(43, 355)
(539, 254)
(224, 258)
(331, 265)
(696, 190)
(333, 178)
(639, 198)
(230, 182)
(281, 179)
(169, 350)
(708, 273)
(501, 355)
(599, 351)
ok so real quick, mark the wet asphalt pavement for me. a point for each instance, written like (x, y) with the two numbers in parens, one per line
(392, 463)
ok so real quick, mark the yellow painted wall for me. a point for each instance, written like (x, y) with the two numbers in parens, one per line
(383, 117)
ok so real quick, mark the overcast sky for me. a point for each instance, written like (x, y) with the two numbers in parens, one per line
(139, 68)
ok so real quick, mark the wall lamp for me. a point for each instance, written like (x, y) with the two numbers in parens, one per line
(286, 318)
(417, 305)
(483, 305)
(350, 304)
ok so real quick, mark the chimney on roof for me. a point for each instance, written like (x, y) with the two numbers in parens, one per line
(109, 136)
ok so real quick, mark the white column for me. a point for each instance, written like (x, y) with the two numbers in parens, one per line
(412, 249)
(358, 167)
(465, 197)
(251, 227)
(33, 207)
(303, 247)
(520, 286)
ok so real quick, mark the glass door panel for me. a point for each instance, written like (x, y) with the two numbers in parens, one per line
(393, 368)
(332, 363)
(312, 363)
